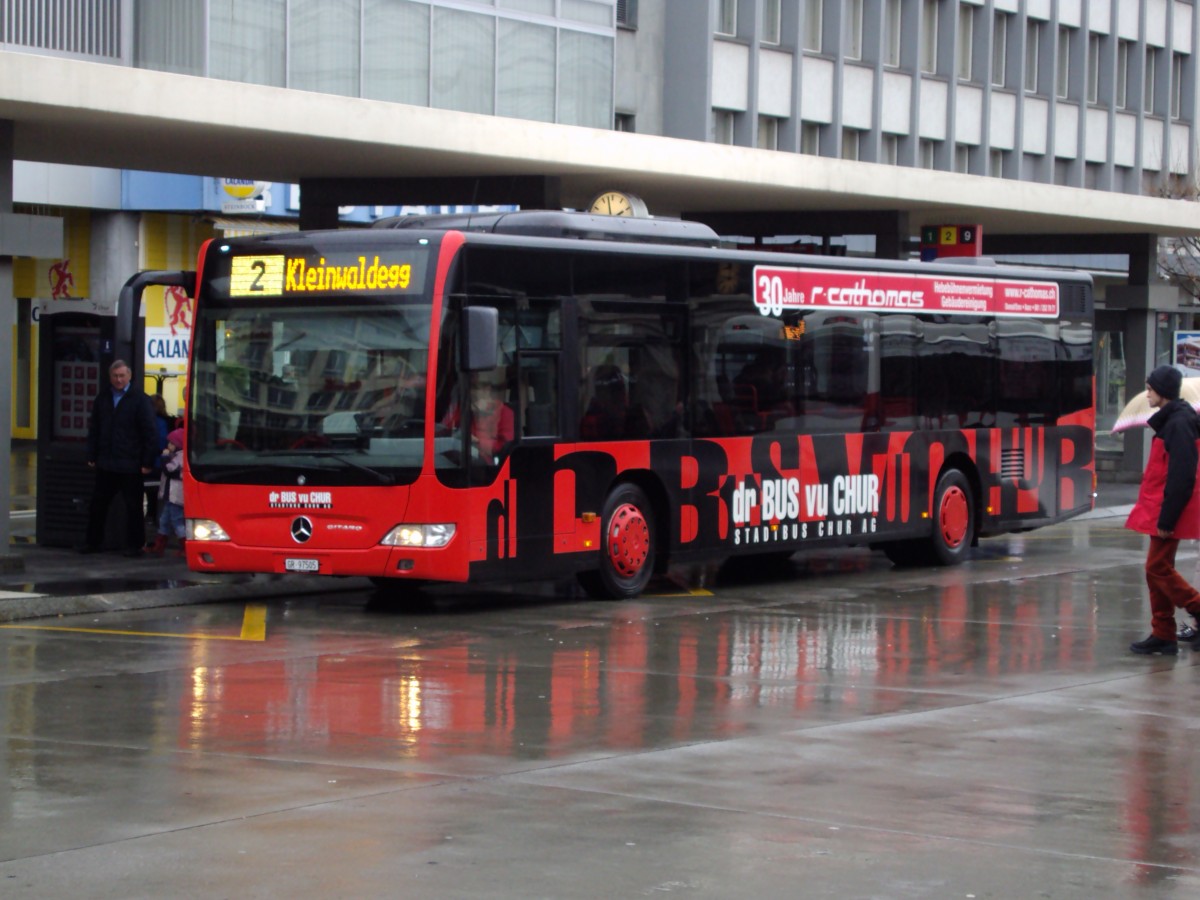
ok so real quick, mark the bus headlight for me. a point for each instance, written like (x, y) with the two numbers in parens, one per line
(418, 536)
(205, 530)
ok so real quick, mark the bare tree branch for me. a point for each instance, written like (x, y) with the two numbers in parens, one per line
(1179, 257)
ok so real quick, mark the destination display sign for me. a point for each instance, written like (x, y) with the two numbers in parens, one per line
(280, 275)
(778, 289)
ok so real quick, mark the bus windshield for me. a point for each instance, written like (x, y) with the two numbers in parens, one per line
(332, 391)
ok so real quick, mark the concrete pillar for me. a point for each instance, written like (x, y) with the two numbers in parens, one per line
(19, 236)
(8, 561)
(1142, 304)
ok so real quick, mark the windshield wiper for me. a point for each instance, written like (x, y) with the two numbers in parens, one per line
(381, 477)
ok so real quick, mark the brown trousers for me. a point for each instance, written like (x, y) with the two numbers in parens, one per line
(1168, 589)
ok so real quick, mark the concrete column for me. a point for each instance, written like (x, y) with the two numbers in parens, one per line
(19, 236)
(8, 561)
(1142, 304)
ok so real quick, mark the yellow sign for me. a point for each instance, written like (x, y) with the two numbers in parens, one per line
(251, 275)
(274, 276)
(303, 276)
(243, 188)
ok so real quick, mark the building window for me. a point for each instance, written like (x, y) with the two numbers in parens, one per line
(395, 52)
(768, 133)
(770, 24)
(727, 17)
(1121, 91)
(248, 45)
(168, 37)
(1033, 35)
(1093, 68)
(810, 139)
(812, 25)
(585, 73)
(966, 40)
(999, 48)
(927, 157)
(890, 150)
(929, 33)
(1176, 85)
(1062, 77)
(627, 13)
(850, 142)
(624, 122)
(722, 127)
(525, 71)
(962, 158)
(891, 33)
(996, 163)
(1148, 81)
(852, 28)
(323, 49)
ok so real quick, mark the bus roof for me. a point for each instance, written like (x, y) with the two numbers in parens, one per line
(562, 224)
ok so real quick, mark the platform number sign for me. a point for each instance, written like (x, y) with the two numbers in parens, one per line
(951, 240)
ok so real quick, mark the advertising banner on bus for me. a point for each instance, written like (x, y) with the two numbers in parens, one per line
(777, 289)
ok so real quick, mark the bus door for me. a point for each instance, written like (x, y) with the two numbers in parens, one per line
(513, 477)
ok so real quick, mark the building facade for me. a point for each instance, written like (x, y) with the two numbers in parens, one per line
(1098, 94)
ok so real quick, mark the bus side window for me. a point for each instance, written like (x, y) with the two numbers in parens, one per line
(607, 404)
(538, 396)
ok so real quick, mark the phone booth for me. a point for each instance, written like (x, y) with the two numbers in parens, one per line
(76, 350)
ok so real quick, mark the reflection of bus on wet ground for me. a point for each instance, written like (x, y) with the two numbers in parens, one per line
(671, 402)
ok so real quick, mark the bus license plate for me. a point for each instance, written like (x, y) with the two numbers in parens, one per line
(302, 565)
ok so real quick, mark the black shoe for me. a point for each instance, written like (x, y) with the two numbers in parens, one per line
(135, 553)
(1154, 644)
(1188, 635)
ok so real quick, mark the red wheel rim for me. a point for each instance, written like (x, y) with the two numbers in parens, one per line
(953, 517)
(628, 540)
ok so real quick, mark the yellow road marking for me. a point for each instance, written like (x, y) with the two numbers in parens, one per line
(692, 592)
(254, 622)
(254, 628)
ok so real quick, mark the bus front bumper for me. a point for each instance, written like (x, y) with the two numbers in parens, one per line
(411, 563)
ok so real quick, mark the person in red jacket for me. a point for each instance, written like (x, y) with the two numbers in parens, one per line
(492, 419)
(1168, 508)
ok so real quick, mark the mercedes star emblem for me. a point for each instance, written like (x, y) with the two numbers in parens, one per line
(302, 529)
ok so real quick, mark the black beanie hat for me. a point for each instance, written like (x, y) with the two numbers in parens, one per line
(1166, 381)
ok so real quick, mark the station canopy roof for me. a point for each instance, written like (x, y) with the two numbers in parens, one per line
(74, 112)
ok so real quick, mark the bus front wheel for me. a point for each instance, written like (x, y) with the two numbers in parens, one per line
(627, 542)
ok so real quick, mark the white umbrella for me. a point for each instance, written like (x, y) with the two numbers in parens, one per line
(1138, 411)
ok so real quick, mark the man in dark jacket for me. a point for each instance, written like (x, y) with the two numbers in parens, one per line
(1168, 507)
(121, 445)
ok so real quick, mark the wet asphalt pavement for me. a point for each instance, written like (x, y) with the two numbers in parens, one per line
(837, 728)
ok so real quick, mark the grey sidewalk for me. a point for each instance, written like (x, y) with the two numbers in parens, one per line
(56, 581)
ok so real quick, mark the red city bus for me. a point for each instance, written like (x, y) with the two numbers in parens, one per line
(543, 394)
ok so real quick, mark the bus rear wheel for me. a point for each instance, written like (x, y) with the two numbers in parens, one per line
(627, 546)
(953, 519)
(953, 527)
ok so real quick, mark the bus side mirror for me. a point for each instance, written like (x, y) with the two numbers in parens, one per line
(481, 342)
